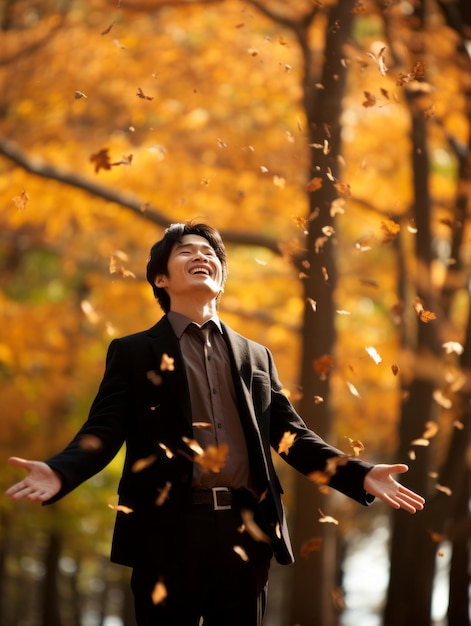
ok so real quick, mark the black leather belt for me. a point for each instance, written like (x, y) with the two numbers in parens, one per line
(219, 498)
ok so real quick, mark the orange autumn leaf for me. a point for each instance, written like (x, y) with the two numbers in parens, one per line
(142, 464)
(21, 201)
(90, 443)
(154, 377)
(319, 478)
(142, 95)
(314, 184)
(213, 458)
(334, 462)
(159, 592)
(390, 230)
(357, 447)
(286, 442)
(164, 493)
(251, 526)
(311, 545)
(167, 363)
(424, 316)
(120, 507)
(323, 366)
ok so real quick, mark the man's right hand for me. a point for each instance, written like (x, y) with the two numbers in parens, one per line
(41, 483)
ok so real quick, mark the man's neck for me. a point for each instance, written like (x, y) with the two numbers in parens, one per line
(199, 313)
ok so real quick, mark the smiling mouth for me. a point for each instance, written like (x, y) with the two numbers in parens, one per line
(203, 271)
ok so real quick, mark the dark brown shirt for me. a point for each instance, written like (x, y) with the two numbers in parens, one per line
(215, 414)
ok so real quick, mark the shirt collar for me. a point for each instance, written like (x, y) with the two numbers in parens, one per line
(179, 322)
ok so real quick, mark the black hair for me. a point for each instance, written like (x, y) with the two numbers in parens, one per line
(157, 263)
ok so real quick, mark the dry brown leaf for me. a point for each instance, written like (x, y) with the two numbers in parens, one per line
(357, 447)
(323, 366)
(101, 160)
(319, 478)
(431, 429)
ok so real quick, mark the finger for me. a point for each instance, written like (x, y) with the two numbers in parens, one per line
(399, 468)
(18, 461)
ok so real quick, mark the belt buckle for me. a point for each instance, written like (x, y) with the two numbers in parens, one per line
(216, 506)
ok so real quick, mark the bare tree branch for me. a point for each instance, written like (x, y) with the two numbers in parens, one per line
(144, 210)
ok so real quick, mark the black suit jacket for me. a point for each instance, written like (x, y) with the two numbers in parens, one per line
(148, 407)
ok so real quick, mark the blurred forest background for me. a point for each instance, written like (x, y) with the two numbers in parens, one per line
(329, 142)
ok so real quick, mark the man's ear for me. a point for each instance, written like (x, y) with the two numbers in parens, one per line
(161, 281)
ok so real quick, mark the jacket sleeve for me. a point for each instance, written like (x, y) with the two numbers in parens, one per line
(307, 452)
(102, 435)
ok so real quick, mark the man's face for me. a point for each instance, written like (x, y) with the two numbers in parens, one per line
(193, 266)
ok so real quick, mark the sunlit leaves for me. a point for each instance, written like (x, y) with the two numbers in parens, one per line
(159, 592)
(424, 315)
(286, 442)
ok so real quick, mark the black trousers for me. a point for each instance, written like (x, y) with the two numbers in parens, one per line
(217, 572)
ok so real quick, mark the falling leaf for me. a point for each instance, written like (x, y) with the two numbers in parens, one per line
(337, 207)
(420, 442)
(78, 95)
(279, 182)
(370, 99)
(107, 30)
(251, 526)
(142, 95)
(318, 399)
(319, 478)
(90, 443)
(357, 447)
(446, 490)
(327, 519)
(167, 363)
(374, 354)
(142, 464)
(21, 201)
(328, 231)
(313, 304)
(451, 347)
(314, 184)
(353, 390)
(101, 159)
(334, 462)
(154, 377)
(159, 593)
(286, 442)
(121, 507)
(213, 458)
(202, 425)
(395, 369)
(343, 189)
(168, 453)
(424, 316)
(390, 230)
(437, 537)
(311, 545)
(164, 493)
(253, 52)
(323, 366)
(441, 399)
(241, 552)
(431, 429)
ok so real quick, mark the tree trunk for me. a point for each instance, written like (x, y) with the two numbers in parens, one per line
(313, 580)
(51, 600)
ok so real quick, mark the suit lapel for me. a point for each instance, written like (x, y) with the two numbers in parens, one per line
(165, 346)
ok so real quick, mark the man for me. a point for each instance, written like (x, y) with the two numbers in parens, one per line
(199, 407)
